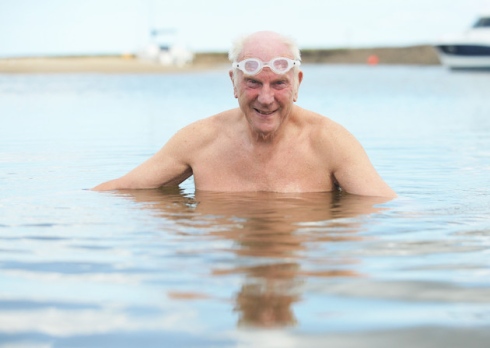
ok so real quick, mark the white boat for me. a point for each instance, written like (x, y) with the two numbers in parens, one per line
(165, 51)
(470, 50)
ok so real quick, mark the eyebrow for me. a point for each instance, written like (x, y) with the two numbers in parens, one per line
(282, 77)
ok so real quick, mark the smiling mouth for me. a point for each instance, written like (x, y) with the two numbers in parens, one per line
(264, 113)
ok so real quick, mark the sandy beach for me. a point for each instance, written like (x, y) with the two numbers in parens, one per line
(420, 55)
(101, 64)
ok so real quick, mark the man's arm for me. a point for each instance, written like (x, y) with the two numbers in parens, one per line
(353, 170)
(167, 167)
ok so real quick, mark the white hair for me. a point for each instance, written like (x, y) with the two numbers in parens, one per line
(237, 47)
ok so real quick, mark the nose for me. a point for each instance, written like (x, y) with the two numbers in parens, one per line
(266, 95)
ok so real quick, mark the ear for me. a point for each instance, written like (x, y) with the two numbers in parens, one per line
(232, 77)
(300, 78)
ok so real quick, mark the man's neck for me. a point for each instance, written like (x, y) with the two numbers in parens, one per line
(268, 139)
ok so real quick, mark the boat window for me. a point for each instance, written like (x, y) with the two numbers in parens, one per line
(482, 22)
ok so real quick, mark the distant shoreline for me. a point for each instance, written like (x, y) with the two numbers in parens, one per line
(412, 55)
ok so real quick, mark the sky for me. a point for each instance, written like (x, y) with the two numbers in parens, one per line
(84, 27)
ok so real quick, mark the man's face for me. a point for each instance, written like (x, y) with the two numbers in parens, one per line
(267, 98)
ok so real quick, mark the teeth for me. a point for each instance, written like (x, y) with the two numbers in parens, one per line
(264, 112)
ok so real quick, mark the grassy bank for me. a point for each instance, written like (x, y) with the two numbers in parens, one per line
(412, 55)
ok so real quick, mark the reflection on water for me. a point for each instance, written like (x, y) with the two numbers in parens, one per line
(180, 268)
(276, 230)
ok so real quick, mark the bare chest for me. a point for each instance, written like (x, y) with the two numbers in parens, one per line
(286, 169)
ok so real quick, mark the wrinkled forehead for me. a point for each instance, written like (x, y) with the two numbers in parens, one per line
(265, 50)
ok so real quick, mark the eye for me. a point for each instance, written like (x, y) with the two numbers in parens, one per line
(252, 83)
(280, 84)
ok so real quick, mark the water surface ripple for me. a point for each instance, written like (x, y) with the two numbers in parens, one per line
(178, 267)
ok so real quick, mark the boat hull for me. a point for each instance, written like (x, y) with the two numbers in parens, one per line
(464, 56)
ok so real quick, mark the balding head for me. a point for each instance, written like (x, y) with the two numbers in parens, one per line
(263, 41)
(264, 45)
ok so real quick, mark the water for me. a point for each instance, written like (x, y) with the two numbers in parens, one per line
(178, 268)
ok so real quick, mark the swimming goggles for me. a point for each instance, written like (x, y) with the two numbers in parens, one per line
(252, 66)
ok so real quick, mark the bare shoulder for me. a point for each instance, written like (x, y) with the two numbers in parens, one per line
(348, 161)
(202, 132)
(324, 131)
(331, 140)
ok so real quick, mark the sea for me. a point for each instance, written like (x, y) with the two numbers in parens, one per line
(179, 268)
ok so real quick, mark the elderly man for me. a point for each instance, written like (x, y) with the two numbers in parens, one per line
(268, 143)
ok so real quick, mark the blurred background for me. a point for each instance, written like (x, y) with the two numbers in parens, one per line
(112, 27)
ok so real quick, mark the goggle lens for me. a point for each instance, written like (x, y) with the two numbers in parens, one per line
(280, 64)
(251, 65)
